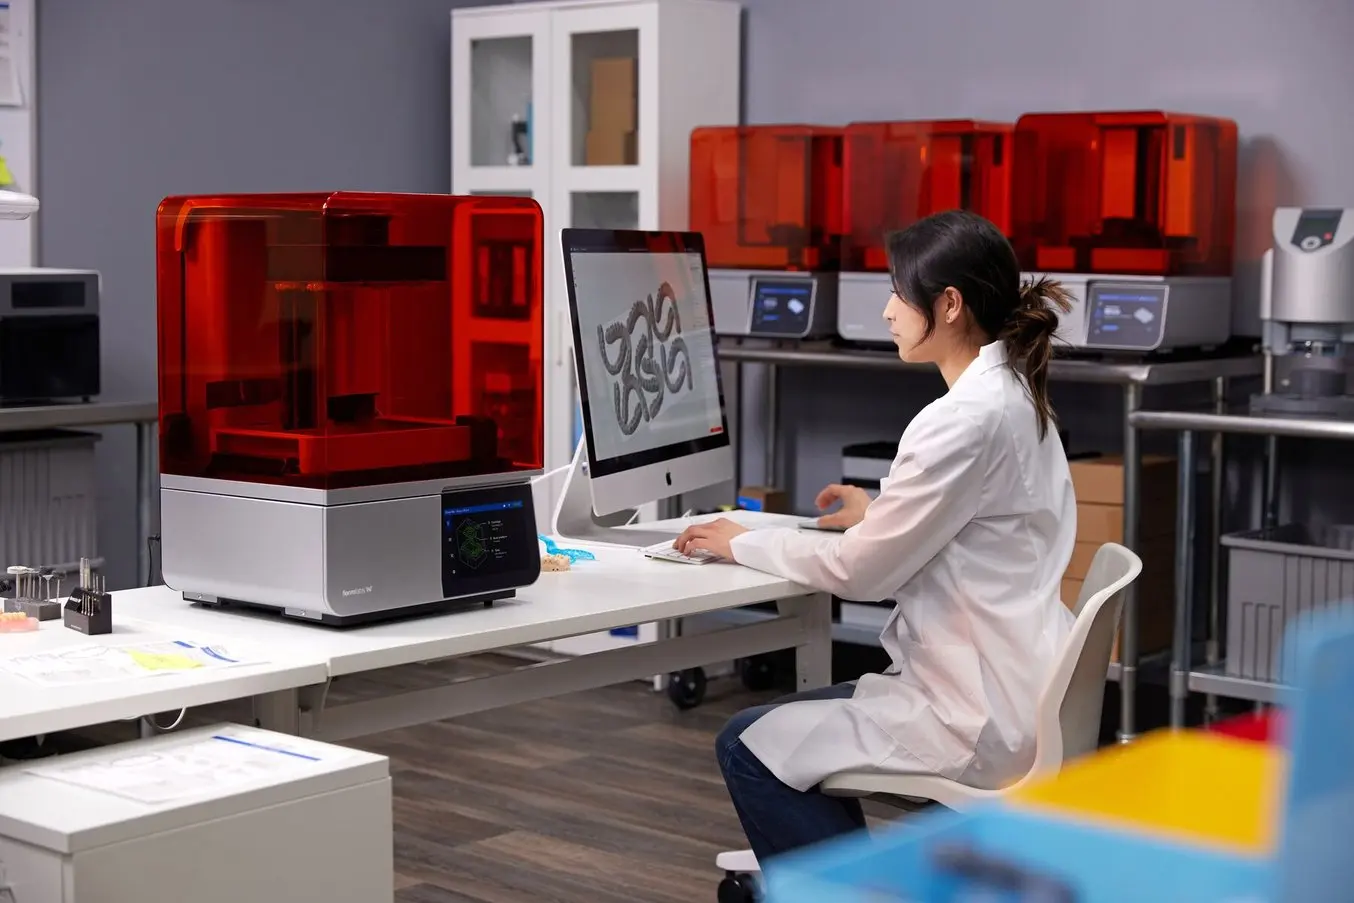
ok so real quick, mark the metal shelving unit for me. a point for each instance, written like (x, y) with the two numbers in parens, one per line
(1212, 677)
(1132, 376)
(143, 415)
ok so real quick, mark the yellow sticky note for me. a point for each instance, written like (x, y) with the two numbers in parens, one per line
(156, 661)
(6, 177)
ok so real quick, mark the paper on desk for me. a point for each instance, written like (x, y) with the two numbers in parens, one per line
(213, 766)
(94, 663)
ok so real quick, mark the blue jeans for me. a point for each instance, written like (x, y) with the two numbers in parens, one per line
(777, 818)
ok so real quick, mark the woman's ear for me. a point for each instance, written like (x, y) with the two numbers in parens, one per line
(951, 304)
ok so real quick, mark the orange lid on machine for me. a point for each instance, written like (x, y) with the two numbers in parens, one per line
(897, 173)
(768, 201)
(1134, 212)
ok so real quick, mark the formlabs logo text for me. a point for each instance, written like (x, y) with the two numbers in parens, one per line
(357, 591)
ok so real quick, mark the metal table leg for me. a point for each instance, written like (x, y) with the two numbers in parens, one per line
(145, 481)
(738, 422)
(1218, 455)
(1128, 630)
(772, 425)
(1270, 498)
(1183, 639)
(813, 659)
(279, 711)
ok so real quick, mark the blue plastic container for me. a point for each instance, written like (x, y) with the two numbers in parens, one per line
(1090, 864)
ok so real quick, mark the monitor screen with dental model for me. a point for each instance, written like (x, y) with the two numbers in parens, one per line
(644, 349)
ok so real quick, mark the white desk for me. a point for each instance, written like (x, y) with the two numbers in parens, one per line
(621, 588)
(28, 709)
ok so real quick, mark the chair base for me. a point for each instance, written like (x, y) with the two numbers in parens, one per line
(739, 888)
(737, 861)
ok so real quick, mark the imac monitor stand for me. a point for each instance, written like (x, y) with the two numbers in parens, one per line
(654, 424)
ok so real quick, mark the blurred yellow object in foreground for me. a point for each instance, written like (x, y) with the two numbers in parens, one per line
(1174, 785)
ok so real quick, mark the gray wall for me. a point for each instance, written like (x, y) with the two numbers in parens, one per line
(145, 98)
(142, 98)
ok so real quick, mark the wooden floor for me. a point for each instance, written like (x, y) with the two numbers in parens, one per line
(606, 796)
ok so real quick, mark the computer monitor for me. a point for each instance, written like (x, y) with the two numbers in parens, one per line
(648, 373)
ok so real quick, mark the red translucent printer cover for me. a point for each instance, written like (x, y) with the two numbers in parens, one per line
(899, 172)
(332, 340)
(1132, 193)
(768, 197)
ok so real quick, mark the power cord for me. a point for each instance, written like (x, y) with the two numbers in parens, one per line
(151, 542)
(165, 730)
(150, 719)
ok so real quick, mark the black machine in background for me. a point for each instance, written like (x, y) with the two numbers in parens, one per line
(49, 336)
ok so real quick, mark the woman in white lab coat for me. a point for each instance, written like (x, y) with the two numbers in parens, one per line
(970, 534)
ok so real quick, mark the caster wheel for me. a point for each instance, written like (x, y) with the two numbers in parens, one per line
(686, 688)
(738, 889)
(757, 673)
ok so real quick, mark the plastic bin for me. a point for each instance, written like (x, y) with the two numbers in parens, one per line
(48, 507)
(1257, 727)
(1089, 864)
(1274, 576)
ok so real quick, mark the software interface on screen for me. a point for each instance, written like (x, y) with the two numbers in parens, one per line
(648, 350)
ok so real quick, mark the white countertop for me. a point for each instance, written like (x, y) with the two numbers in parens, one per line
(28, 709)
(619, 589)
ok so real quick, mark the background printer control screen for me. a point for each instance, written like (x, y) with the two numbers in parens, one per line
(781, 307)
(1126, 316)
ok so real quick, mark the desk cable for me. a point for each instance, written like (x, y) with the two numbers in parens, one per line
(150, 719)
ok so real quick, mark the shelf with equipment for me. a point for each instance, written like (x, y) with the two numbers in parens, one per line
(1228, 679)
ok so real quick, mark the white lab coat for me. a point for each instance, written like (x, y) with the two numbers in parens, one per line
(971, 533)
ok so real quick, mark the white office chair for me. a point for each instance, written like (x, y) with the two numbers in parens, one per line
(1067, 722)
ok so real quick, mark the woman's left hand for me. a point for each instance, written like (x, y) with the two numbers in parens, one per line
(715, 537)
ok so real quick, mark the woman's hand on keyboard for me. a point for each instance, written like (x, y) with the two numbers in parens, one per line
(714, 537)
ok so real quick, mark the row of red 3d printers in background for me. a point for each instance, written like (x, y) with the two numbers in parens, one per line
(1149, 193)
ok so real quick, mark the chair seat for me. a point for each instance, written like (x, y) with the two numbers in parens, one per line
(737, 861)
(913, 787)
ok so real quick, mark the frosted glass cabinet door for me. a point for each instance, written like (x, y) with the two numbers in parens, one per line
(500, 86)
(605, 64)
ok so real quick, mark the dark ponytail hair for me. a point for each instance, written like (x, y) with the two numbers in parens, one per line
(962, 250)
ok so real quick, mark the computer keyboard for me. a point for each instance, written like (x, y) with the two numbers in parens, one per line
(753, 520)
(663, 551)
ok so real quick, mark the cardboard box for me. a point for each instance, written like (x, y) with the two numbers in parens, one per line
(1156, 605)
(613, 104)
(1071, 592)
(1100, 481)
(610, 149)
(1105, 523)
(764, 498)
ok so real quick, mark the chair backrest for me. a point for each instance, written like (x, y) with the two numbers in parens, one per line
(1070, 705)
